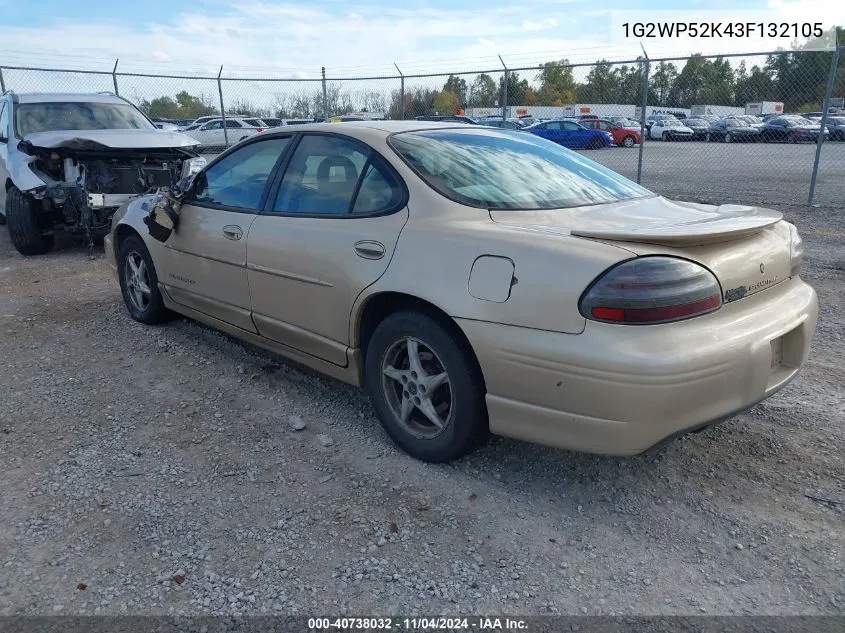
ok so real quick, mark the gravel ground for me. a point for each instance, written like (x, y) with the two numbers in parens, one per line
(157, 470)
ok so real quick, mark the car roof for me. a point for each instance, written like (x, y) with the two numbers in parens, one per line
(372, 130)
(64, 97)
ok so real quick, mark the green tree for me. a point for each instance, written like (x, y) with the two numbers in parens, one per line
(601, 86)
(482, 92)
(663, 76)
(445, 102)
(458, 87)
(557, 84)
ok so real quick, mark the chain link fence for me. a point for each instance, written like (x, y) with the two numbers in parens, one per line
(739, 130)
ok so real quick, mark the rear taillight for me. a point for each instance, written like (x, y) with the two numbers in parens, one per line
(653, 289)
(260, 129)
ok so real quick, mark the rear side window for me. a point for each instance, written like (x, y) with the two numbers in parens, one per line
(333, 175)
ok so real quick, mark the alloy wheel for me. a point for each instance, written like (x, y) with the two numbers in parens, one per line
(417, 388)
(137, 280)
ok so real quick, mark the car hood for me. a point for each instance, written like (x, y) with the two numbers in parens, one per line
(110, 139)
(652, 220)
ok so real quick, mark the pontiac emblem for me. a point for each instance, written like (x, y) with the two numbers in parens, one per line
(762, 268)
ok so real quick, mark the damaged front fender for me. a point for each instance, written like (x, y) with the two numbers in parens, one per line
(23, 176)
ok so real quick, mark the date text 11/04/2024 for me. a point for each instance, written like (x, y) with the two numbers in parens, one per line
(316, 625)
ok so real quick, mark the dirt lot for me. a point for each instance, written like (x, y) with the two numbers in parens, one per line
(154, 470)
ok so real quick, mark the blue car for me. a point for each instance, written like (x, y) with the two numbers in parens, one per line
(571, 135)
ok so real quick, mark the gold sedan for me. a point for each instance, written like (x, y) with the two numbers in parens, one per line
(478, 280)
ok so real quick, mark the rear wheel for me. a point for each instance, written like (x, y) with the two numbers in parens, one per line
(628, 141)
(426, 387)
(595, 144)
(139, 283)
(665, 136)
(27, 233)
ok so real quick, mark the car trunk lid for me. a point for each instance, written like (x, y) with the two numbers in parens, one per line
(747, 248)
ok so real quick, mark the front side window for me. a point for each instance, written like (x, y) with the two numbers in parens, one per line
(239, 179)
(332, 175)
(53, 116)
(213, 125)
(500, 169)
(570, 126)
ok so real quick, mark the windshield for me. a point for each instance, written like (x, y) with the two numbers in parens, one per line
(502, 169)
(53, 116)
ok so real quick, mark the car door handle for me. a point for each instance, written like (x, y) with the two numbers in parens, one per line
(369, 249)
(232, 232)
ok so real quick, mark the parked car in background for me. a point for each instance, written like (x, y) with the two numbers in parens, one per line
(570, 134)
(196, 123)
(753, 121)
(69, 160)
(508, 124)
(274, 122)
(790, 128)
(448, 118)
(627, 123)
(166, 125)
(211, 134)
(654, 118)
(291, 241)
(699, 128)
(260, 124)
(670, 130)
(836, 127)
(624, 137)
(733, 130)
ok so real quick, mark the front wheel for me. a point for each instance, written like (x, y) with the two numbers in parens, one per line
(665, 136)
(628, 141)
(426, 387)
(728, 137)
(139, 283)
(27, 232)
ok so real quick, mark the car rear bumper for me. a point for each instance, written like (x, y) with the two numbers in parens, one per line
(620, 390)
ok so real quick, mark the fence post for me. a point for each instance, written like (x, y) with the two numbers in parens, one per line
(504, 91)
(2, 83)
(114, 76)
(401, 93)
(222, 109)
(643, 130)
(325, 97)
(834, 62)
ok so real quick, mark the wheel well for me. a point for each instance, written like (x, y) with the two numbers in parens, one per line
(380, 306)
(123, 231)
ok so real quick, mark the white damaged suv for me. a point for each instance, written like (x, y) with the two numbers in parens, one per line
(68, 161)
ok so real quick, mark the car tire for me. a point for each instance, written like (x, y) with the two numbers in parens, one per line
(595, 144)
(728, 137)
(458, 403)
(665, 136)
(628, 141)
(144, 305)
(791, 138)
(707, 137)
(25, 231)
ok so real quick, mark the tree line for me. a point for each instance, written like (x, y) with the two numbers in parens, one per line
(798, 79)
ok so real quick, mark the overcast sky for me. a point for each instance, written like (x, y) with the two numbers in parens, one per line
(296, 39)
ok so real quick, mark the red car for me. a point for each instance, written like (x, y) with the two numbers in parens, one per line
(622, 136)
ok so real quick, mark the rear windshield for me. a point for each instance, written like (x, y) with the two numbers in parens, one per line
(504, 169)
(56, 116)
